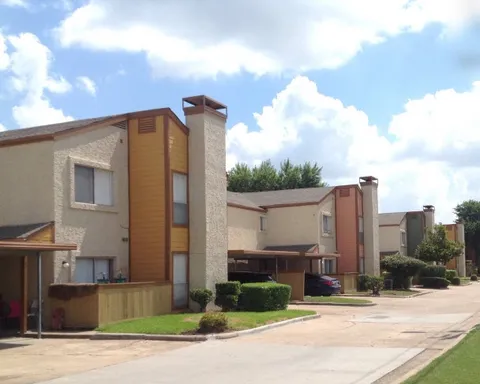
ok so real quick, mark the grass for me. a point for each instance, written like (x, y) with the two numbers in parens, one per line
(335, 300)
(458, 365)
(386, 292)
(464, 280)
(177, 324)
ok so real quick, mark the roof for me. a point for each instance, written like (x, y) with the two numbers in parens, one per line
(50, 129)
(11, 232)
(303, 248)
(255, 254)
(240, 200)
(287, 196)
(393, 218)
(12, 247)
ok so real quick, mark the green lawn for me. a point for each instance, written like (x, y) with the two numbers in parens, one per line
(399, 293)
(465, 280)
(335, 300)
(459, 365)
(176, 324)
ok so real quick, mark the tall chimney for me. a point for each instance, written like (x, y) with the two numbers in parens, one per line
(429, 211)
(206, 120)
(461, 263)
(371, 244)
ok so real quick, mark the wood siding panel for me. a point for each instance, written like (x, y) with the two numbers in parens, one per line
(46, 235)
(147, 203)
(347, 226)
(179, 239)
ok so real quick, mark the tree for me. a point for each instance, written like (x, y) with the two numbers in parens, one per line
(468, 212)
(436, 247)
(265, 177)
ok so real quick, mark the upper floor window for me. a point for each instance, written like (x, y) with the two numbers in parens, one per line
(93, 185)
(360, 230)
(180, 199)
(326, 224)
(263, 223)
(403, 237)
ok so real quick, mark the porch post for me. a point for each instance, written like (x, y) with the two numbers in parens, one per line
(39, 295)
(24, 295)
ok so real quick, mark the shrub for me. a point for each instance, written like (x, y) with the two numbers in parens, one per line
(375, 284)
(226, 295)
(473, 278)
(202, 297)
(402, 269)
(434, 271)
(213, 322)
(434, 282)
(362, 283)
(450, 274)
(261, 297)
(456, 281)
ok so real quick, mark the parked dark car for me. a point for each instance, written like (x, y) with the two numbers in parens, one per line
(250, 277)
(321, 285)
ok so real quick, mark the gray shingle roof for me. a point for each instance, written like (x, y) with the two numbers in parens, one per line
(393, 218)
(288, 196)
(50, 129)
(240, 199)
(10, 232)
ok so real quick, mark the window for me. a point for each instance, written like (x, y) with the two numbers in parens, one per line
(180, 280)
(263, 223)
(403, 237)
(326, 224)
(362, 265)
(360, 230)
(93, 185)
(180, 205)
(89, 270)
(329, 266)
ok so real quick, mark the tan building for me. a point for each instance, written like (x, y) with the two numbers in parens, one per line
(338, 223)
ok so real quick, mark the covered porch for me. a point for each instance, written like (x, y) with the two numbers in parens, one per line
(23, 252)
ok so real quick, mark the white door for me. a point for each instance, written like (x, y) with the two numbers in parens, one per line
(180, 280)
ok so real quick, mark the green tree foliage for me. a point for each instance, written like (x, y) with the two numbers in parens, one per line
(265, 177)
(468, 212)
(437, 247)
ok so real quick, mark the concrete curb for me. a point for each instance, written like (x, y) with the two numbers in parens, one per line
(333, 304)
(197, 338)
(390, 296)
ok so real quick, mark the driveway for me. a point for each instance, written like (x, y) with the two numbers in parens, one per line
(347, 345)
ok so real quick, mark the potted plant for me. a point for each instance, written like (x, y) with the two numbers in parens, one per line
(120, 278)
(103, 279)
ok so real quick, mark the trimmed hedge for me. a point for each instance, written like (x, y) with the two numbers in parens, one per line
(456, 281)
(450, 274)
(434, 282)
(226, 295)
(213, 322)
(227, 288)
(434, 271)
(362, 283)
(474, 278)
(262, 297)
(202, 297)
(402, 269)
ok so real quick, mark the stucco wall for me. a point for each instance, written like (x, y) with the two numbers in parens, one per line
(390, 238)
(244, 229)
(26, 177)
(97, 230)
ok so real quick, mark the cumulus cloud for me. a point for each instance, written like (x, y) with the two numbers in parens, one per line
(14, 3)
(428, 157)
(203, 39)
(29, 72)
(2, 127)
(86, 84)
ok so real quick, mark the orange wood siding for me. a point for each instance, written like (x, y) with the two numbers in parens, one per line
(147, 202)
(46, 235)
(451, 232)
(346, 230)
(179, 239)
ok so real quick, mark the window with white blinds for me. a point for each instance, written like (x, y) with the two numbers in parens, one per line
(180, 199)
(93, 185)
(89, 270)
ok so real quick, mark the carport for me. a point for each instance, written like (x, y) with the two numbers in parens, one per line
(27, 252)
(295, 276)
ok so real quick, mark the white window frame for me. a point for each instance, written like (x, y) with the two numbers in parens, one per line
(331, 271)
(180, 196)
(180, 283)
(263, 223)
(328, 217)
(403, 238)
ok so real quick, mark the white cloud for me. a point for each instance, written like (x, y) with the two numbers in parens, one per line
(2, 127)
(431, 157)
(14, 3)
(202, 39)
(29, 72)
(86, 84)
(4, 58)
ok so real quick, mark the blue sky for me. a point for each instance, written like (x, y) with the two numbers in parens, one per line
(380, 80)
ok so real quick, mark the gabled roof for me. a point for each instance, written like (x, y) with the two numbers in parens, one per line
(288, 196)
(20, 232)
(391, 219)
(239, 200)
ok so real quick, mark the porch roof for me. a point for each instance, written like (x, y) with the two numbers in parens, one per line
(13, 247)
(246, 254)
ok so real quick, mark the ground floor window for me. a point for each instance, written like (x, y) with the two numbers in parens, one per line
(362, 265)
(180, 280)
(90, 270)
(329, 266)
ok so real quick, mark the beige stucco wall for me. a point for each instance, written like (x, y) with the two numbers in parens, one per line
(97, 230)
(207, 200)
(244, 229)
(390, 238)
(26, 178)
